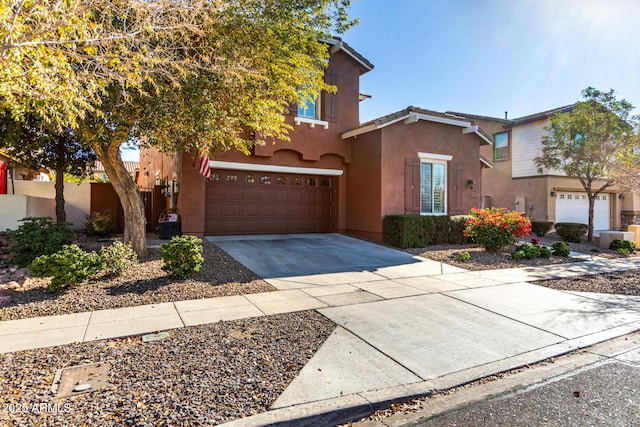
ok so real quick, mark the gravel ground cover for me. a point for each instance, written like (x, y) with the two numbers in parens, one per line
(483, 260)
(146, 283)
(203, 375)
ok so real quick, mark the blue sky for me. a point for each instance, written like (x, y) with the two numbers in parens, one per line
(490, 56)
(486, 57)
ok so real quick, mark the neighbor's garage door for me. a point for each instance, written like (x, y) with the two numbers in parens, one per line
(574, 207)
(242, 202)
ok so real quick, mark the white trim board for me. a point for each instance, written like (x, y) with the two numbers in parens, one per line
(216, 164)
(433, 156)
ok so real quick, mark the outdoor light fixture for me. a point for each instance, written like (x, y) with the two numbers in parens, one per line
(471, 183)
(553, 194)
(620, 196)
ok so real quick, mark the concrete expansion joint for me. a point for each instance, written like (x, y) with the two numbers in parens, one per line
(86, 327)
(179, 314)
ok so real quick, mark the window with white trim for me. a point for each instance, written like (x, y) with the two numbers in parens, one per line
(310, 108)
(433, 187)
(501, 146)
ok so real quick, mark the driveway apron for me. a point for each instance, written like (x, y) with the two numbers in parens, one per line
(425, 324)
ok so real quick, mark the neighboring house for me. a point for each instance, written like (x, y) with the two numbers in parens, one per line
(335, 175)
(514, 181)
(18, 169)
(100, 175)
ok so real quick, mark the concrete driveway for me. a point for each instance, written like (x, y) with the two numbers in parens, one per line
(407, 325)
(302, 260)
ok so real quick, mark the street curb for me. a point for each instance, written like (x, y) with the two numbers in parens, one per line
(353, 407)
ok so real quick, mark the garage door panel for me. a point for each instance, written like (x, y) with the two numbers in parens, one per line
(574, 207)
(232, 194)
(233, 211)
(297, 210)
(281, 195)
(252, 226)
(250, 210)
(266, 210)
(249, 194)
(249, 202)
(281, 211)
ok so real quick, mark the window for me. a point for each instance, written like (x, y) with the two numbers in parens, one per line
(433, 188)
(232, 178)
(310, 109)
(249, 179)
(265, 179)
(501, 146)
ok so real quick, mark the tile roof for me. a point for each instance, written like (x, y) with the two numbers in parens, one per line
(418, 114)
(338, 43)
(131, 167)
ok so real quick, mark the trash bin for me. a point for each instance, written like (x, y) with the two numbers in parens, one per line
(168, 229)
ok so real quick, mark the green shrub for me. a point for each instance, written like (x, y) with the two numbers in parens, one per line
(100, 223)
(616, 245)
(38, 236)
(540, 228)
(117, 257)
(560, 249)
(496, 228)
(544, 252)
(69, 266)
(417, 231)
(405, 231)
(571, 231)
(529, 251)
(624, 251)
(464, 256)
(448, 229)
(182, 256)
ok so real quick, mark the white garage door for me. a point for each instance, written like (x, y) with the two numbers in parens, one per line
(574, 207)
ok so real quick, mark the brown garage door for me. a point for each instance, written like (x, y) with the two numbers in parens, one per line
(242, 202)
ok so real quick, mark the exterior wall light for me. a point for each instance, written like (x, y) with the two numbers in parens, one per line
(471, 183)
(553, 194)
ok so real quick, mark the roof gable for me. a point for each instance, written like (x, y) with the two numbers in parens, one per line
(413, 114)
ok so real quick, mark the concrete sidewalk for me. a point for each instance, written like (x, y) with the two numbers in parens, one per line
(301, 293)
(406, 325)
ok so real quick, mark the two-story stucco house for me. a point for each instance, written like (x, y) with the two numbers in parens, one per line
(514, 181)
(336, 174)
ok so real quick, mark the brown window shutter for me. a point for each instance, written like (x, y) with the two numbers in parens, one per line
(330, 100)
(412, 186)
(455, 190)
(293, 109)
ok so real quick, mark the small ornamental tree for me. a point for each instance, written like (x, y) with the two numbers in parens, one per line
(496, 228)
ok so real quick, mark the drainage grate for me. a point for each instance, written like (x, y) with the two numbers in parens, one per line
(80, 379)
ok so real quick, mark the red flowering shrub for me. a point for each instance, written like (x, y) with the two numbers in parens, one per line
(496, 228)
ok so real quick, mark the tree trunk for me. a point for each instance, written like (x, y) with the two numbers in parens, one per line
(592, 202)
(61, 162)
(127, 190)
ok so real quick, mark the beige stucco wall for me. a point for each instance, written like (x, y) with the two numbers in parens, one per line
(14, 207)
(77, 198)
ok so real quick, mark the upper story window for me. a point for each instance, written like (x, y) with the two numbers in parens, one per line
(501, 146)
(309, 112)
(310, 108)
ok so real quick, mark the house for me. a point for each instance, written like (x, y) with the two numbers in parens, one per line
(336, 174)
(98, 173)
(16, 170)
(514, 181)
